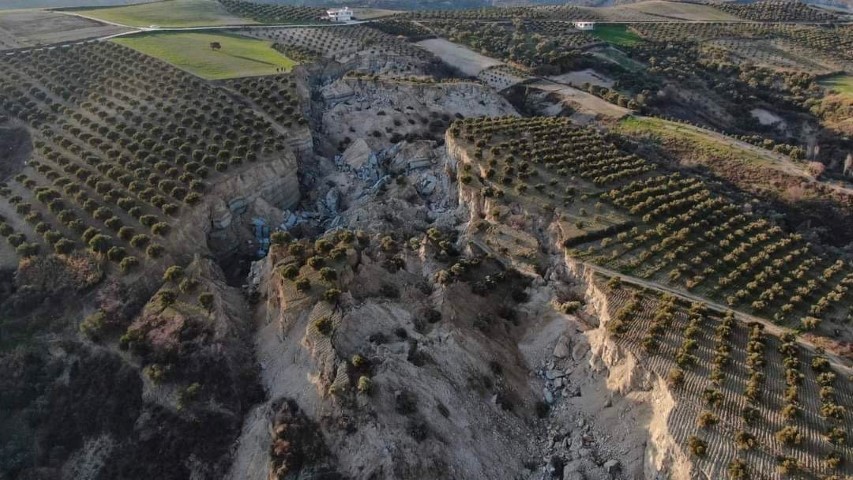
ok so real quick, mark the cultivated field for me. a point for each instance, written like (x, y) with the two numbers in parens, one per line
(618, 35)
(21, 4)
(28, 28)
(385, 53)
(777, 54)
(132, 153)
(750, 404)
(464, 59)
(675, 230)
(663, 11)
(171, 13)
(238, 57)
(583, 102)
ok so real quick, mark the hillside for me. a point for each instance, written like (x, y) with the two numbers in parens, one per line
(456, 241)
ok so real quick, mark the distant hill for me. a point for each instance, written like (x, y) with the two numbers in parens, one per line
(423, 4)
(16, 4)
(463, 4)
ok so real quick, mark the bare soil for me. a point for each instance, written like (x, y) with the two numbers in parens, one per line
(464, 59)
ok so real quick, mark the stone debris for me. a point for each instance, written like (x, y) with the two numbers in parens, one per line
(561, 350)
(571, 446)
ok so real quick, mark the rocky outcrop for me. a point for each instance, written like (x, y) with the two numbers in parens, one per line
(262, 190)
(385, 111)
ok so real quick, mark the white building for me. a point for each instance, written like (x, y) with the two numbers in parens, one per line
(584, 25)
(339, 14)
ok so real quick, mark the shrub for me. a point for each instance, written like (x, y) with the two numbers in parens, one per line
(16, 239)
(836, 435)
(296, 249)
(745, 440)
(787, 465)
(707, 419)
(188, 394)
(63, 246)
(331, 295)
(789, 435)
(132, 339)
(173, 274)
(154, 250)
(365, 385)
(27, 249)
(713, 397)
(89, 233)
(155, 372)
(832, 410)
(93, 325)
(166, 298)
(358, 361)
(128, 263)
(303, 284)
(161, 228)
(205, 299)
(328, 274)
(187, 285)
(316, 262)
(675, 377)
(737, 470)
(750, 415)
(790, 411)
(323, 325)
(279, 238)
(833, 460)
(126, 234)
(99, 243)
(570, 307)
(116, 254)
(697, 446)
(387, 244)
(289, 271)
(140, 240)
(614, 282)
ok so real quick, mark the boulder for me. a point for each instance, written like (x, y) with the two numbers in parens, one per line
(356, 155)
(579, 351)
(561, 350)
(427, 184)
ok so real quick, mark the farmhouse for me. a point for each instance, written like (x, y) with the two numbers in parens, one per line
(584, 25)
(339, 14)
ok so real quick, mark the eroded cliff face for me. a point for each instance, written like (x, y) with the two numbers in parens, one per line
(663, 456)
(472, 369)
(621, 372)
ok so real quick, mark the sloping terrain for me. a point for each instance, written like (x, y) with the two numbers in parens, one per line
(450, 244)
(28, 28)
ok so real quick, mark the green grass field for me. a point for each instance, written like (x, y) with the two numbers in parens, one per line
(168, 13)
(699, 141)
(840, 83)
(616, 35)
(239, 56)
